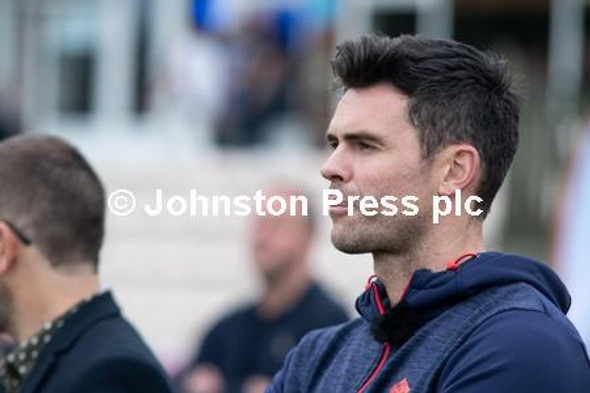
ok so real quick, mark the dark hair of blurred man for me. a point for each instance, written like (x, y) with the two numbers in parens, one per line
(242, 351)
(71, 336)
(431, 118)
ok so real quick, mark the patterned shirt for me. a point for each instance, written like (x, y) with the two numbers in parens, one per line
(15, 366)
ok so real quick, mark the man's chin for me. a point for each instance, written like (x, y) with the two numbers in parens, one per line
(349, 246)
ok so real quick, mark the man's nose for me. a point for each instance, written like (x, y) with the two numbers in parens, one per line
(336, 168)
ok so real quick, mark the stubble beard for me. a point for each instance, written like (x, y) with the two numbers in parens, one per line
(379, 234)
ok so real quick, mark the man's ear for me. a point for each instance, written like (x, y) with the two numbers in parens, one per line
(9, 245)
(460, 167)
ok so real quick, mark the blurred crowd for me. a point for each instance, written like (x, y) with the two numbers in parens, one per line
(253, 77)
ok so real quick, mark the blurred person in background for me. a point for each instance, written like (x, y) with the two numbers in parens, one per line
(259, 82)
(572, 235)
(432, 118)
(71, 336)
(249, 77)
(193, 84)
(246, 347)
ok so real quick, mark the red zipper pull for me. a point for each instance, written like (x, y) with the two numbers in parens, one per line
(454, 264)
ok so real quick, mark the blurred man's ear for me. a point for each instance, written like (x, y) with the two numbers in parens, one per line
(9, 244)
(459, 168)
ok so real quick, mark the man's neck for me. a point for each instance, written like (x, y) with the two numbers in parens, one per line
(433, 253)
(283, 293)
(49, 301)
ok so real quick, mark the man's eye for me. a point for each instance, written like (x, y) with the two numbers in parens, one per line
(332, 145)
(364, 145)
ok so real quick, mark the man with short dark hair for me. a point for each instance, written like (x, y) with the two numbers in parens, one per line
(432, 119)
(71, 337)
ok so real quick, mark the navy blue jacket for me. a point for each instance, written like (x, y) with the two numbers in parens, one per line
(96, 351)
(495, 324)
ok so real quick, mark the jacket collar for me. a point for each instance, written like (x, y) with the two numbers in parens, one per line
(100, 307)
(435, 291)
(373, 302)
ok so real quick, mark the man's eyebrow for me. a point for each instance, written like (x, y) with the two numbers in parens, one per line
(354, 136)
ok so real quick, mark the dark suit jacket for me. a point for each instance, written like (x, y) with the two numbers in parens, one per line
(96, 351)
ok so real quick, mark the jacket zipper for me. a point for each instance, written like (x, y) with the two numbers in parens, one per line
(376, 370)
(384, 352)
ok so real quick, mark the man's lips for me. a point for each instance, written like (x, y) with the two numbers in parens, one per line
(338, 210)
(342, 207)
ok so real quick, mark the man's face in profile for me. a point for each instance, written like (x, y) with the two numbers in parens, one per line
(376, 152)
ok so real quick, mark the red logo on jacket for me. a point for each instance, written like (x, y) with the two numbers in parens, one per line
(401, 387)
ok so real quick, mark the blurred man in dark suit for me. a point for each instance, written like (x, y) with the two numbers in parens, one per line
(70, 336)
